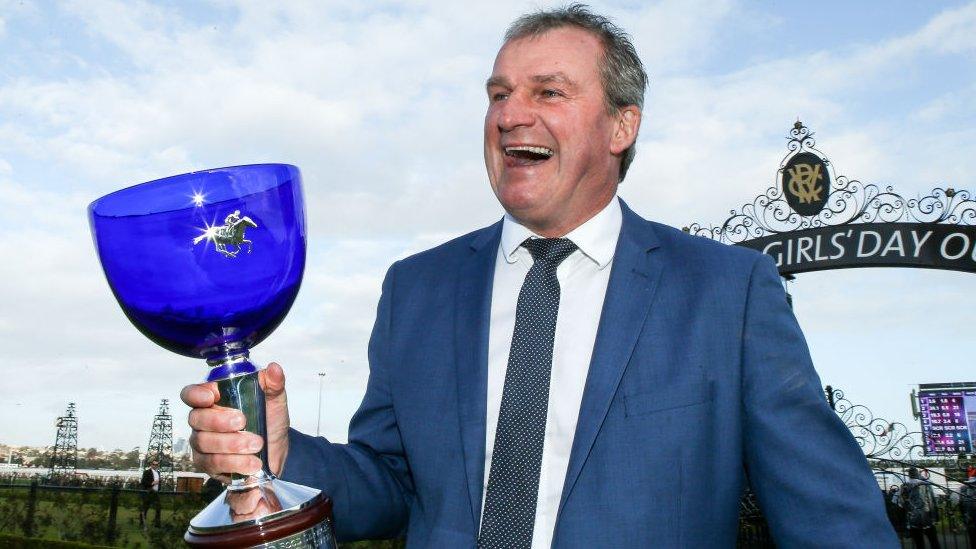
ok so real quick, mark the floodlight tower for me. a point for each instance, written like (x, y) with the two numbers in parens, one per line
(161, 444)
(64, 458)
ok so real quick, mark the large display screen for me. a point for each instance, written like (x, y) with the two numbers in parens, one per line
(948, 419)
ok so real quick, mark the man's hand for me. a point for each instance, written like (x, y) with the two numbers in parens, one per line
(219, 445)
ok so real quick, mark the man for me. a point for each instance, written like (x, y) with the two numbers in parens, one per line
(896, 513)
(921, 509)
(150, 494)
(573, 376)
(211, 489)
(967, 504)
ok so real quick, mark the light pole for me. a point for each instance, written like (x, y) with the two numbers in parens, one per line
(318, 425)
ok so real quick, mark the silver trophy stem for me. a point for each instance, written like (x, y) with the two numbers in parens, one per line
(243, 392)
(258, 506)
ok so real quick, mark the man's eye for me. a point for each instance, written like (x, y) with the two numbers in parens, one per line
(499, 96)
(551, 93)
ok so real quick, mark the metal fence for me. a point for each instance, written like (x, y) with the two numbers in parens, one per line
(95, 515)
(109, 515)
(104, 515)
(950, 529)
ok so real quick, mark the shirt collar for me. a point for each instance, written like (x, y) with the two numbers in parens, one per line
(597, 238)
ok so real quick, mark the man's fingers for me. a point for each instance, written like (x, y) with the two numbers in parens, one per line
(201, 395)
(216, 419)
(244, 502)
(225, 443)
(272, 380)
(219, 465)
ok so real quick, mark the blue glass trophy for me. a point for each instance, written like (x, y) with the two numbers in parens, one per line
(207, 264)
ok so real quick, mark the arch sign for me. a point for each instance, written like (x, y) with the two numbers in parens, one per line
(812, 221)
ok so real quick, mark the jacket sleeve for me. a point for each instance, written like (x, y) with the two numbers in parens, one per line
(812, 480)
(368, 478)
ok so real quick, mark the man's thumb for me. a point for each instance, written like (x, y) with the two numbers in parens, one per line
(273, 380)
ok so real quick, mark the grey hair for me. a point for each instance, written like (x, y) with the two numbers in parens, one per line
(621, 71)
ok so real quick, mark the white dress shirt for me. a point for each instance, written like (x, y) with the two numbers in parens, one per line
(583, 279)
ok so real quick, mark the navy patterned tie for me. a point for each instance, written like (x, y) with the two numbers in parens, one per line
(513, 481)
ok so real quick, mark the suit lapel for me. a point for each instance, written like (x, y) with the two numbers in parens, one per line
(472, 320)
(633, 280)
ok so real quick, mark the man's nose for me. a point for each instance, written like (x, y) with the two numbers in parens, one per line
(515, 111)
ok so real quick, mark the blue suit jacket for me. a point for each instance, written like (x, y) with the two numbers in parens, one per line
(700, 382)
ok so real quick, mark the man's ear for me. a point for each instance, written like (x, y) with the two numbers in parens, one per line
(626, 126)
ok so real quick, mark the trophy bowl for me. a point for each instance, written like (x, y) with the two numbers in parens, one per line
(207, 264)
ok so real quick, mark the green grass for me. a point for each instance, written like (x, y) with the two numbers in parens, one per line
(20, 542)
(80, 519)
(83, 517)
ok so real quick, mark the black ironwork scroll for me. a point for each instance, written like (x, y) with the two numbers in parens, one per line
(855, 224)
(878, 438)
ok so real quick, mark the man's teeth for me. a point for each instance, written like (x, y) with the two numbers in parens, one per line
(542, 151)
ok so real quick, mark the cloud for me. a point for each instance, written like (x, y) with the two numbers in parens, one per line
(708, 139)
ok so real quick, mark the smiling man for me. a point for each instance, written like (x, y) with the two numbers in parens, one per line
(554, 140)
(573, 375)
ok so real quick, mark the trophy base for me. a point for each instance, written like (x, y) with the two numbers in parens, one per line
(272, 514)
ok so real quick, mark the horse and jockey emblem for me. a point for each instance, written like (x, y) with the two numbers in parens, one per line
(231, 233)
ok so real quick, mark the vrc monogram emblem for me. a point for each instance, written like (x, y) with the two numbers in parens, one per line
(805, 182)
(231, 233)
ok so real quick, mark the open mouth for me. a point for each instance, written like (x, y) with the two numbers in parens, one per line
(527, 155)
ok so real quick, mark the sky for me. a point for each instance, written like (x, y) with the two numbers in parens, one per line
(381, 105)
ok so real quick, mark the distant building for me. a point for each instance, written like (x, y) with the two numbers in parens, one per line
(181, 446)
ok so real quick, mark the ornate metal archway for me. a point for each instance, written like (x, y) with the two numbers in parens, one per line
(813, 220)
